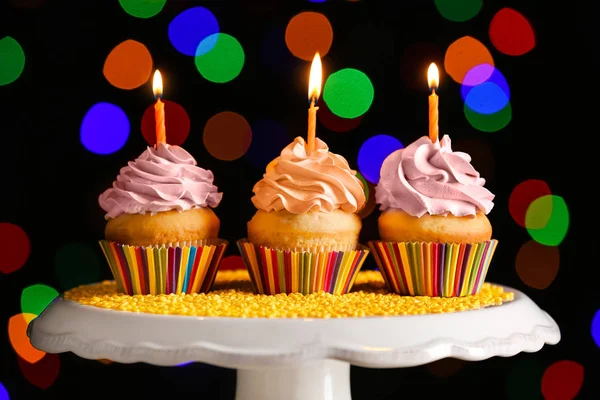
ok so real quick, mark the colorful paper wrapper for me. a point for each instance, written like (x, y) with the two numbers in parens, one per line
(434, 269)
(165, 269)
(276, 271)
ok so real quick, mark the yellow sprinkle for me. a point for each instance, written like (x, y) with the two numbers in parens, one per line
(233, 296)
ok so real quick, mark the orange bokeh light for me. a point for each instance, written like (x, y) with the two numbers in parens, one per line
(17, 334)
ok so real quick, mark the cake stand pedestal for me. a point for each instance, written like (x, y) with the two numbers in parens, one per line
(299, 359)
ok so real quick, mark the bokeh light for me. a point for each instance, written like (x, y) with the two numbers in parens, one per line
(227, 135)
(3, 393)
(335, 123)
(15, 247)
(105, 361)
(104, 129)
(35, 298)
(464, 54)
(373, 152)
(415, 60)
(523, 195)
(232, 263)
(370, 202)
(547, 220)
(128, 65)
(485, 90)
(268, 139)
(43, 373)
(192, 26)
(489, 122)
(446, 367)
(537, 265)
(348, 92)
(511, 33)
(177, 124)
(12, 60)
(142, 8)
(459, 10)
(307, 33)
(365, 185)
(77, 264)
(596, 328)
(17, 335)
(220, 58)
(562, 380)
(524, 379)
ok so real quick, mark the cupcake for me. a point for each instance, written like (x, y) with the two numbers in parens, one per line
(436, 239)
(161, 234)
(304, 235)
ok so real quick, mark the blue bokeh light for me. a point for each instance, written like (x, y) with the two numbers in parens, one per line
(486, 98)
(372, 154)
(188, 29)
(268, 139)
(480, 74)
(3, 393)
(596, 328)
(104, 129)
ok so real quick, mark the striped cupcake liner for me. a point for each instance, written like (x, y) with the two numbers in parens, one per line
(433, 269)
(164, 269)
(286, 271)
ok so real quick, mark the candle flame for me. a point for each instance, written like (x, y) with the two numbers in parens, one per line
(157, 85)
(316, 76)
(433, 76)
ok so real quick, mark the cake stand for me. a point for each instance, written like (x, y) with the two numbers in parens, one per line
(293, 358)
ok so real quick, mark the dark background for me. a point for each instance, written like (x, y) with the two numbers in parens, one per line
(51, 183)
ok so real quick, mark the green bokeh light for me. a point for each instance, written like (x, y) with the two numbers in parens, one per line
(12, 60)
(77, 264)
(142, 8)
(489, 122)
(459, 10)
(36, 297)
(348, 93)
(524, 380)
(223, 62)
(365, 184)
(547, 220)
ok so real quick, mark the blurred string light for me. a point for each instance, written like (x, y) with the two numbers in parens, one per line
(370, 202)
(546, 218)
(485, 90)
(177, 124)
(334, 122)
(373, 152)
(42, 373)
(459, 10)
(596, 328)
(348, 92)
(17, 335)
(227, 136)
(269, 137)
(489, 122)
(219, 58)
(3, 393)
(12, 60)
(104, 129)
(128, 65)
(15, 247)
(307, 33)
(77, 264)
(142, 8)
(190, 27)
(562, 380)
(524, 380)
(463, 55)
(35, 298)
(511, 33)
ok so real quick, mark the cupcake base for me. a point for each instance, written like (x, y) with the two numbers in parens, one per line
(173, 268)
(276, 271)
(433, 269)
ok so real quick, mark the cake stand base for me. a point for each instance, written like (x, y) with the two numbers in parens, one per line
(300, 358)
(317, 380)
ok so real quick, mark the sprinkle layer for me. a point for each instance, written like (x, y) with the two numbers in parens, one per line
(233, 296)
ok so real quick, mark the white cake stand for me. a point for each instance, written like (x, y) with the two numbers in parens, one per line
(293, 358)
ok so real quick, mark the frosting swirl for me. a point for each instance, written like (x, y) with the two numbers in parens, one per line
(160, 179)
(299, 182)
(428, 177)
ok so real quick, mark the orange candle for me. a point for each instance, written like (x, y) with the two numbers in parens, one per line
(314, 91)
(159, 109)
(433, 79)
